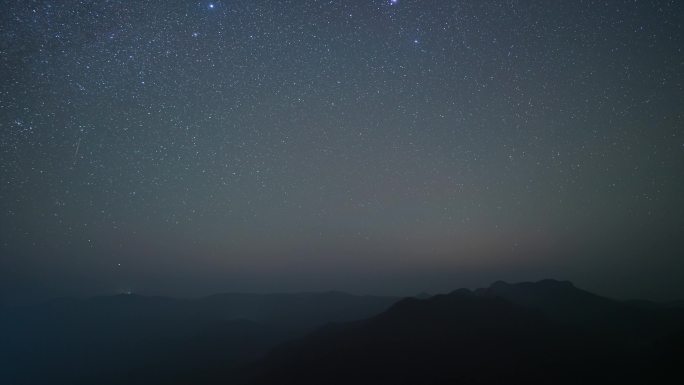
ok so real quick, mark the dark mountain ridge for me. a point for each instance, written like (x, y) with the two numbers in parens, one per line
(528, 333)
(524, 333)
(104, 339)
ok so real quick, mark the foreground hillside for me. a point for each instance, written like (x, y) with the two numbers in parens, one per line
(530, 333)
(527, 333)
(134, 339)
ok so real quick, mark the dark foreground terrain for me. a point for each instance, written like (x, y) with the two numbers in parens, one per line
(133, 339)
(527, 333)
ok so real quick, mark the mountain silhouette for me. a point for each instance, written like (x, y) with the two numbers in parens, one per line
(560, 300)
(528, 333)
(522, 333)
(132, 339)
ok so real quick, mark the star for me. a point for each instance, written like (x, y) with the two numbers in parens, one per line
(225, 109)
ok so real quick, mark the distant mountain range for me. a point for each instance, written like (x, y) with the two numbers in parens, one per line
(527, 333)
(130, 339)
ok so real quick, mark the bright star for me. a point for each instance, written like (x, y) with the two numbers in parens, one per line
(211, 5)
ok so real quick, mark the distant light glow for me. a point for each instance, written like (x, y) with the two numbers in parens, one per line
(234, 146)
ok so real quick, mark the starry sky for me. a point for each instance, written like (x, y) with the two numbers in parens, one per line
(373, 146)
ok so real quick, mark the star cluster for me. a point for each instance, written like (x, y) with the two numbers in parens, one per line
(145, 141)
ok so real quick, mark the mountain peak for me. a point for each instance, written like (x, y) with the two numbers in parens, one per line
(544, 284)
(462, 292)
(560, 300)
(423, 295)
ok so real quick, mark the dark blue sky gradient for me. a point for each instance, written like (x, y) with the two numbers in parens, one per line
(190, 147)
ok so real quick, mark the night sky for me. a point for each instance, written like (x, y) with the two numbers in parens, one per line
(390, 147)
